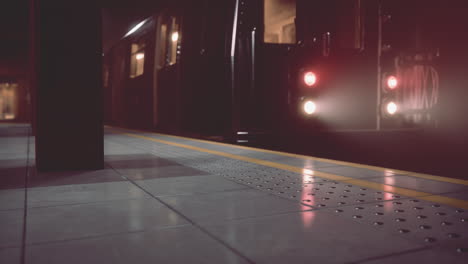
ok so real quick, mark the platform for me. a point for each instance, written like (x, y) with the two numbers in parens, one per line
(167, 199)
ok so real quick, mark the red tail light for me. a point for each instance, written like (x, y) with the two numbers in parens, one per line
(392, 82)
(310, 78)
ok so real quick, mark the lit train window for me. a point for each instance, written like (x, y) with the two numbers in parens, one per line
(137, 59)
(168, 41)
(173, 37)
(8, 100)
(105, 76)
(279, 20)
(162, 45)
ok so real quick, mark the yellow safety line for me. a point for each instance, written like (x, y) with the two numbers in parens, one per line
(344, 163)
(363, 183)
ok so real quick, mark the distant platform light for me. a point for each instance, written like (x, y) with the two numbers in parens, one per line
(310, 107)
(140, 56)
(135, 28)
(310, 78)
(242, 133)
(392, 108)
(392, 82)
(175, 36)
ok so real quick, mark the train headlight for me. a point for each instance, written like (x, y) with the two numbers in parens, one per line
(391, 108)
(310, 79)
(309, 107)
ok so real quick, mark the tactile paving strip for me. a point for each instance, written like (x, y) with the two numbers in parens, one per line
(416, 220)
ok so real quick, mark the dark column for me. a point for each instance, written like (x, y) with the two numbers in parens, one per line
(67, 85)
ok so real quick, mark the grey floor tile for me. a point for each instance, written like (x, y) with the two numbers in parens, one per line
(83, 193)
(307, 237)
(189, 185)
(137, 161)
(419, 184)
(161, 172)
(11, 199)
(173, 245)
(10, 255)
(87, 220)
(11, 228)
(426, 256)
(14, 156)
(224, 206)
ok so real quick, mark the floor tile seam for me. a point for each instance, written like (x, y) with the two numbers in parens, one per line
(343, 163)
(461, 203)
(11, 209)
(208, 223)
(87, 203)
(203, 230)
(198, 193)
(387, 256)
(9, 247)
(106, 235)
(26, 182)
(37, 188)
(205, 193)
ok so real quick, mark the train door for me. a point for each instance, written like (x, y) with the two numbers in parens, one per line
(262, 35)
(166, 82)
(278, 41)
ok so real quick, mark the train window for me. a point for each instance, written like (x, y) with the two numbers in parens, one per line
(105, 76)
(279, 20)
(174, 38)
(8, 101)
(163, 45)
(350, 28)
(137, 59)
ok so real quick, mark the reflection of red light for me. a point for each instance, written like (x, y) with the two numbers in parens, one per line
(307, 198)
(392, 82)
(310, 78)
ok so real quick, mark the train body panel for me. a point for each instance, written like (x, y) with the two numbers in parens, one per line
(239, 66)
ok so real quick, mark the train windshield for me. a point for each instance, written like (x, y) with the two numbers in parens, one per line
(279, 20)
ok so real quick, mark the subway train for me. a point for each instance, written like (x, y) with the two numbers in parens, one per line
(213, 67)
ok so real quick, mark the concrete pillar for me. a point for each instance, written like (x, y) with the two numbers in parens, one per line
(66, 58)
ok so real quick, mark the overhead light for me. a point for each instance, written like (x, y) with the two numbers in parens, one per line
(140, 56)
(135, 28)
(175, 36)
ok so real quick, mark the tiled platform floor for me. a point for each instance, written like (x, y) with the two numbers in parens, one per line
(164, 199)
